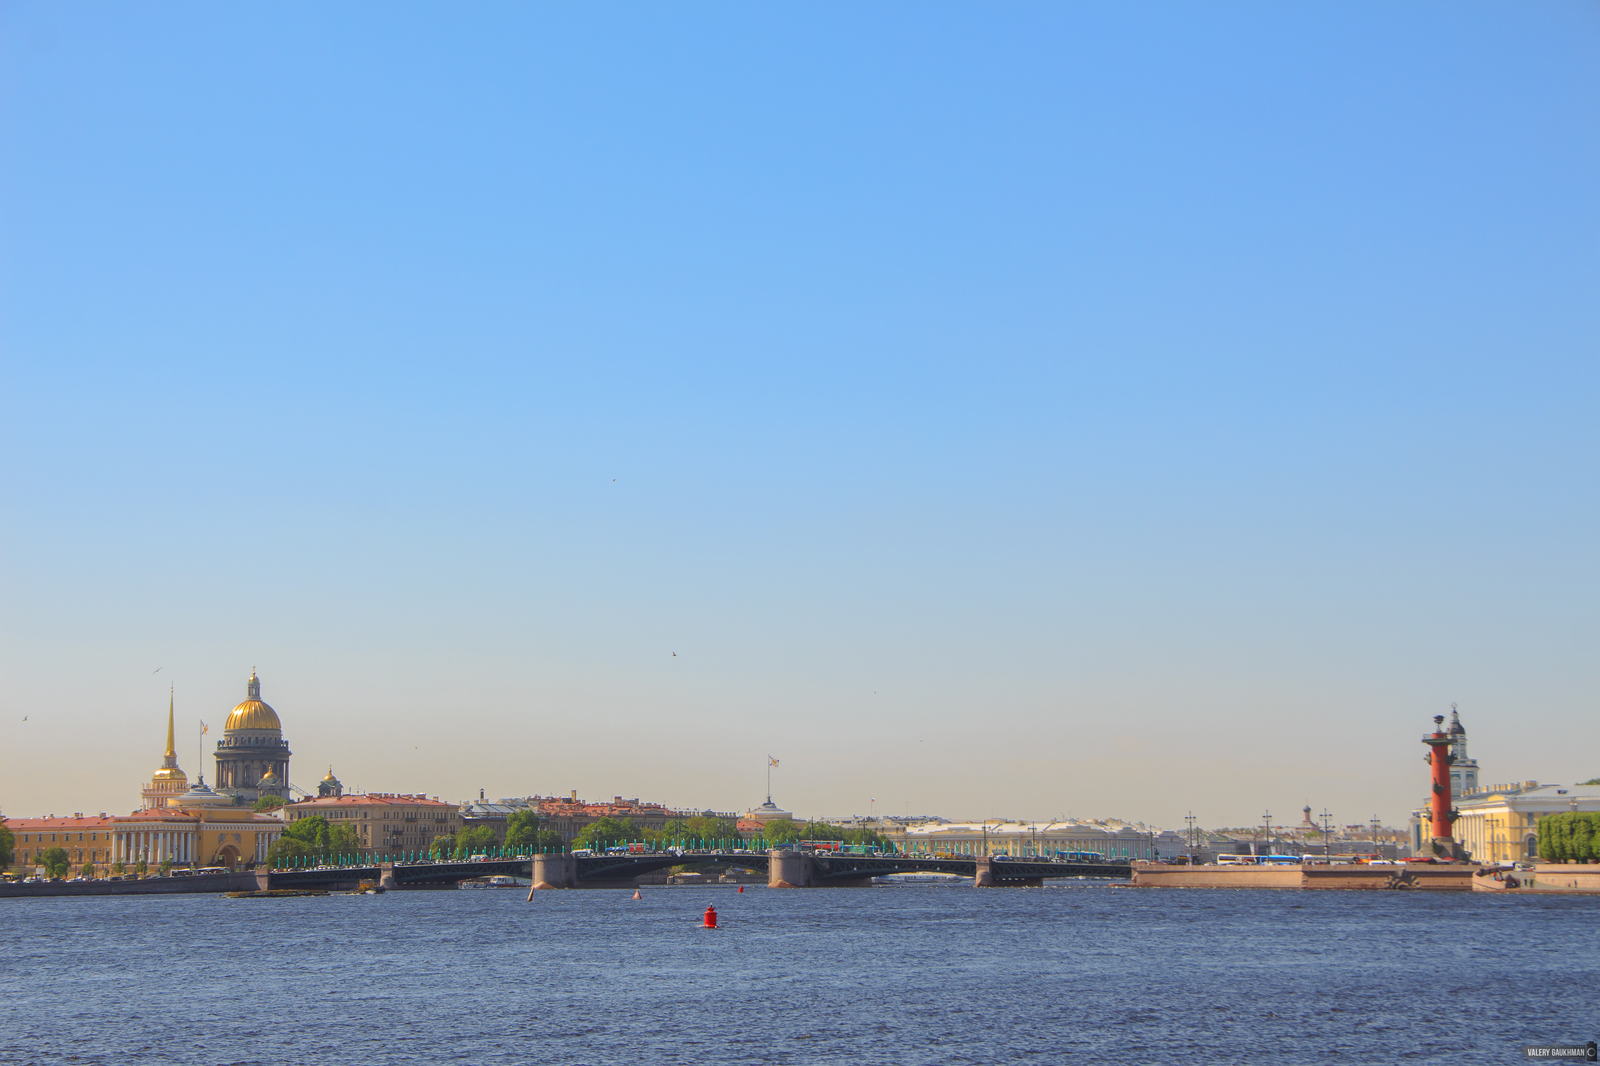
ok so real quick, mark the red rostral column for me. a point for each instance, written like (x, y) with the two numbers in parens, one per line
(1439, 758)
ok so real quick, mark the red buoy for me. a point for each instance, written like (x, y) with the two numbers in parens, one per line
(711, 917)
(741, 888)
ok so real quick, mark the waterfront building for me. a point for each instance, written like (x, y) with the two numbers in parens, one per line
(1500, 823)
(384, 822)
(198, 828)
(1110, 840)
(169, 780)
(329, 786)
(85, 839)
(252, 756)
(568, 815)
(492, 813)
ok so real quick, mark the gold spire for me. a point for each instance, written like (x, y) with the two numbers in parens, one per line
(172, 751)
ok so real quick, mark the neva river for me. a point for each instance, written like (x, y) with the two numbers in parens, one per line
(895, 975)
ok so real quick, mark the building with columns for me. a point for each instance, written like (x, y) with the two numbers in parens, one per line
(252, 756)
(198, 828)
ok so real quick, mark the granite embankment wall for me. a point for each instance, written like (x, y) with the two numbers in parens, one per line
(149, 886)
(1402, 876)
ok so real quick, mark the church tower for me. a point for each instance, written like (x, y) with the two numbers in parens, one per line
(168, 781)
(1463, 771)
(252, 757)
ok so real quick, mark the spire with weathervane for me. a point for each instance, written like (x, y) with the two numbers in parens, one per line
(170, 780)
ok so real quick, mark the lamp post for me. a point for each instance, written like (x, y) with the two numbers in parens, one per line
(1267, 820)
(1327, 844)
(1190, 819)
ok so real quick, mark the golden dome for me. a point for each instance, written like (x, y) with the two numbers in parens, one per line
(253, 714)
(170, 773)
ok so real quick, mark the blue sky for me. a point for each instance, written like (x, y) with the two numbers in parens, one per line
(1061, 409)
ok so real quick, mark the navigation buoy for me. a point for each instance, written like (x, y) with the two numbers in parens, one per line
(741, 888)
(711, 917)
(636, 894)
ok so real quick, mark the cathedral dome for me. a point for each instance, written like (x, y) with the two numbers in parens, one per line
(253, 714)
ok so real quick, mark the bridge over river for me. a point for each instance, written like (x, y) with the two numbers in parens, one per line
(785, 869)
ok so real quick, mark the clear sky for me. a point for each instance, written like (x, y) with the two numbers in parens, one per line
(1001, 410)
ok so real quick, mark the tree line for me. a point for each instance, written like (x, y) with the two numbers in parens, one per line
(1569, 836)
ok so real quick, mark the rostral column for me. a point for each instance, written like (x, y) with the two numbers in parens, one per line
(1439, 757)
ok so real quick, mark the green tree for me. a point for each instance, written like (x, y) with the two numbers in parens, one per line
(166, 867)
(269, 803)
(782, 831)
(524, 829)
(475, 841)
(602, 833)
(8, 842)
(54, 861)
(141, 867)
(701, 829)
(314, 838)
(1582, 838)
(1571, 836)
(87, 871)
(286, 849)
(119, 868)
(313, 831)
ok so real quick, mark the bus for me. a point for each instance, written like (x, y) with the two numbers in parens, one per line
(1258, 860)
(1080, 856)
(821, 845)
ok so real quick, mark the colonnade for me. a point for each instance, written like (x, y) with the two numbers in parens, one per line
(154, 846)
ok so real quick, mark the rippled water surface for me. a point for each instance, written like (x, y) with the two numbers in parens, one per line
(903, 974)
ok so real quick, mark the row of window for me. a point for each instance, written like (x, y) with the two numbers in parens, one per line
(65, 837)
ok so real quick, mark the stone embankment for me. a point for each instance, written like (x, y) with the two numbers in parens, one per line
(1421, 876)
(144, 886)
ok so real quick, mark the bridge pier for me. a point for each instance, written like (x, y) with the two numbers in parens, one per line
(386, 878)
(555, 870)
(984, 876)
(790, 869)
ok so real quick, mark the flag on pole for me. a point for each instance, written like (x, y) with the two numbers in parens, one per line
(771, 761)
(204, 729)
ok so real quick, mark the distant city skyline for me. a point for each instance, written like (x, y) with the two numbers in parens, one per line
(1025, 413)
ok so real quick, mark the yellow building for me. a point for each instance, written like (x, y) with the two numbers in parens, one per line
(1501, 823)
(85, 840)
(198, 828)
(169, 781)
(384, 822)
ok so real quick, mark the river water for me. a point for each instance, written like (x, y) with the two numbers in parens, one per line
(900, 974)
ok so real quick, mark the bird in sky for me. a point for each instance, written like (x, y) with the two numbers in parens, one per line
(157, 670)
(24, 718)
(674, 655)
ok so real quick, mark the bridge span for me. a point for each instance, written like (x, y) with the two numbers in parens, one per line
(784, 868)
